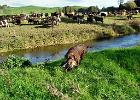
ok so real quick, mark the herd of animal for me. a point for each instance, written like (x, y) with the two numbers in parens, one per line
(54, 19)
(45, 19)
(31, 19)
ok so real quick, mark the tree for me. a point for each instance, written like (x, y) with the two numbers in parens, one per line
(137, 2)
(130, 5)
(122, 6)
(93, 9)
(120, 2)
(68, 9)
(82, 10)
(109, 9)
(103, 9)
(5, 6)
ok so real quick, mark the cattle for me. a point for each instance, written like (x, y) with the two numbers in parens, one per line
(55, 14)
(74, 56)
(74, 17)
(23, 16)
(98, 19)
(129, 17)
(1, 24)
(33, 21)
(46, 14)
(55, 18)
(40, 15)
(78, 18)
(69, 15)
(16, 20)
(90, 18)
(30, 20)
(51, 20)
(36, 15)
(103, 14)
(4, 23)
(46, 21)
(33, 15)
(2, 18)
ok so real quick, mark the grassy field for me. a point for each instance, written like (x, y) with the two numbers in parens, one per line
(106, 75)
(32, 36)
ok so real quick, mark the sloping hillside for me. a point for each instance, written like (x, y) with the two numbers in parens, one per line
(36, 9)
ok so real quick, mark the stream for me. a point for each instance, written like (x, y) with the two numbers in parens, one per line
(57, 52)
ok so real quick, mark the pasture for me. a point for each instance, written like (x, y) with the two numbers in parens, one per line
(32, 36)
(105, 75)
(108, 74)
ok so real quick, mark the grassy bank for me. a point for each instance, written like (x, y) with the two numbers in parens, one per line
(107, 75)
(32, 36)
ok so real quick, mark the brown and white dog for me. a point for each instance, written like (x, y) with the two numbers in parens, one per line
(74, 56)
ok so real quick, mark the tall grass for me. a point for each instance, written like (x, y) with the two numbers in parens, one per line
(110, 74)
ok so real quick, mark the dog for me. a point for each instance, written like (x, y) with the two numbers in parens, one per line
(74, 56)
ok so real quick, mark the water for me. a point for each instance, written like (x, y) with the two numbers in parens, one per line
(53, 53)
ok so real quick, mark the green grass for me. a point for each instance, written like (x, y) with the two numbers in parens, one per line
(106, 75)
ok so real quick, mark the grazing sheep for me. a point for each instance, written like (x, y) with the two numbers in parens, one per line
(74, 56)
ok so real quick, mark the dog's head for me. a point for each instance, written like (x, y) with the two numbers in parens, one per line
(70, 64)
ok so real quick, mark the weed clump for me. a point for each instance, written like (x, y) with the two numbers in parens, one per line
(15, 61)
(123, 29)
(135, 24)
